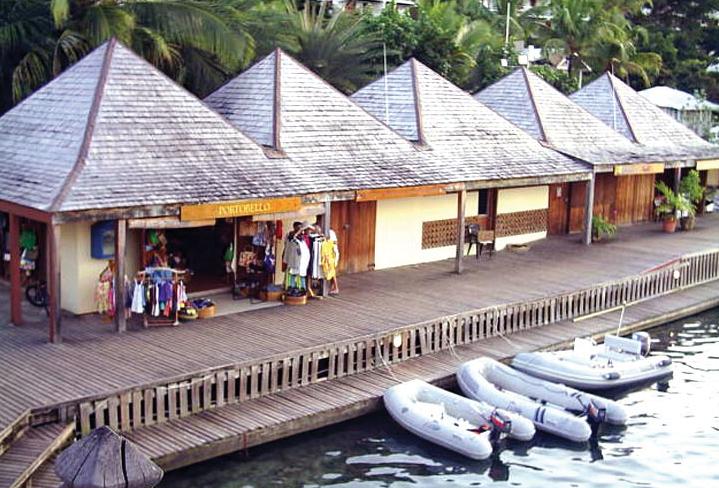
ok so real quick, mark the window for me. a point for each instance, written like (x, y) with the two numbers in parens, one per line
(483, 202)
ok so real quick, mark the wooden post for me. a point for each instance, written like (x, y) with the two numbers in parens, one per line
(52, 243)
(461, 207)
(15, 285)
(326, 226)
(120, 267)
(589, 210)
(677, 179)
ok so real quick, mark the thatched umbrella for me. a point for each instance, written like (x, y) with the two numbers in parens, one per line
(105, 460)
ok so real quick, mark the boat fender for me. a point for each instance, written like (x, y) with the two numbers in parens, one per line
(665, 362)
(611, 376)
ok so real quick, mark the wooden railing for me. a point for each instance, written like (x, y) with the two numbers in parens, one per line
(191, 394)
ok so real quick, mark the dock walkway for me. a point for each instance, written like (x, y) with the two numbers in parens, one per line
(144, 380)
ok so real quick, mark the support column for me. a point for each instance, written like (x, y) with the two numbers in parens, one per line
(589, 210)
(326, 225)
(52, 243)
(120, 267)
(677, 179)
(461, 207)
(15, 285)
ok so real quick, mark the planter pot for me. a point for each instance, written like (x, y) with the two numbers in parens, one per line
(669, 225)
(688, 223)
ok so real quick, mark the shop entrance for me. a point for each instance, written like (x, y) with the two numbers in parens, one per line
(198, 250)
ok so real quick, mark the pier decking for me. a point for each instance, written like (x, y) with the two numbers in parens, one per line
(95, 367)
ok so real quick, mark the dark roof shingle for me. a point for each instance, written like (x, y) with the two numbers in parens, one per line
(469, 139)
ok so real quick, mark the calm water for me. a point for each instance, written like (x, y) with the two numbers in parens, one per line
(672, 438)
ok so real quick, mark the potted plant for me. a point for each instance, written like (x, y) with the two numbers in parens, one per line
(690, 186)
(602, 228)
(672, 207)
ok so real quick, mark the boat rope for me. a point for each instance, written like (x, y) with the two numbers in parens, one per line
(384, 361)
(621, 318)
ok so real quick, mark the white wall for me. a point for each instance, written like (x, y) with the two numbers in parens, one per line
(79, 271)
(519, 200)
(398, 235)
(713, 177)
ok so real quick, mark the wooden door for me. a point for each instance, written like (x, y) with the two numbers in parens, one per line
(634, 198)
(558, 208)
(577, 202)
(354, 223)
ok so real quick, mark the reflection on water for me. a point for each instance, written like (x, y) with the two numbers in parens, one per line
(671, 438)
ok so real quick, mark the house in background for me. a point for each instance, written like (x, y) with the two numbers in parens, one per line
(633, 115)
(697, 114)
(512, 171)
(623, 186)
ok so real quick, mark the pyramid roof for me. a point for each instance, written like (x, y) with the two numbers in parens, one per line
(548, 115)
(331, 143)
(470, 138)
(113, 131)
(618, 105)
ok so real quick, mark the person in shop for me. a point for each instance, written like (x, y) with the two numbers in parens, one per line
(329, 259)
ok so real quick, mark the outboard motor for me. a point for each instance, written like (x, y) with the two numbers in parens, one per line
(595, 415)
(645, 340)
(500, 425)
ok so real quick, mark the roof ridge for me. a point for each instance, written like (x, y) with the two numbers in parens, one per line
(277, 102)
(417, 102)
(89, 127)
(619, 100)
(532, 100)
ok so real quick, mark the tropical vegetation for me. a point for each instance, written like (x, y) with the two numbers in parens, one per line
(202, 43)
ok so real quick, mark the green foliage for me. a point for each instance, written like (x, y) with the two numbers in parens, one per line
(336, 47)
(601, 228)
(691, 187)
(674, 204)
(200, 43)
(561, 80)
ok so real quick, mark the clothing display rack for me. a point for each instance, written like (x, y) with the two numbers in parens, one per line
(159, 307)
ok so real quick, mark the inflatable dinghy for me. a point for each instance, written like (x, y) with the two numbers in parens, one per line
(618, 363)
(553, 408)
(451, 421)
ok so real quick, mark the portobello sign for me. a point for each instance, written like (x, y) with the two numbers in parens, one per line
(239, 208)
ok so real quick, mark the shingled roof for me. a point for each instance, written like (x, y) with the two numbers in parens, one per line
(112, 131)
(471, 140)
(331, 143)
(551, 117)
(622, 108)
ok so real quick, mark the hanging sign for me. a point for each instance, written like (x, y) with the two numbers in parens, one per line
(638, 169)
(239, 208)
(707, 164)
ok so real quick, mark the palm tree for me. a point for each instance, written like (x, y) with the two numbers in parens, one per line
(198, 43)
(616, 50)
(571, 28)
(338, 48)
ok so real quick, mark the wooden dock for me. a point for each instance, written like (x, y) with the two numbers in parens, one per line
(194, 392)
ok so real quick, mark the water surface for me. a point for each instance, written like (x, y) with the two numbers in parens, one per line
(672, 438)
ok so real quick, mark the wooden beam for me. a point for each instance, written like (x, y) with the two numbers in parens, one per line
(52, 244)
(15, 285)
(589, 211)
(23, 211)
(399, 192)
(120, 267)
(461, 208)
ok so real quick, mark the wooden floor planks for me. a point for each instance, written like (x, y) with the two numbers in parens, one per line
(93, 360)
(187, 440)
